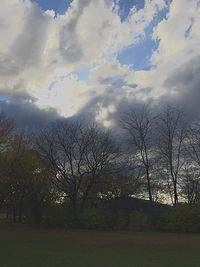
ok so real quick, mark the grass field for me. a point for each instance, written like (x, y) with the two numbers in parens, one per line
(31, 247)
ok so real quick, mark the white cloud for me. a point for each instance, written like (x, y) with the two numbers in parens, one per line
(179, 34)
(65, 94)
(36, 46)
(179, 39)
(39, 52)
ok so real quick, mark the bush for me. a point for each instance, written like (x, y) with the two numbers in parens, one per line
(56, 216)
(139, 222)
(121, 220)
(182, 218)
(93, 218)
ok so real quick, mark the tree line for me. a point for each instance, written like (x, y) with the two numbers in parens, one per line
(77, 165)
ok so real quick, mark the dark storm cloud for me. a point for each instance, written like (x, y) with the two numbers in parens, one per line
(25, 113)
(185, 83)
(182, 89)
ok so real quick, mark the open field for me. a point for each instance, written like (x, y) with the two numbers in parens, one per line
(32, 247)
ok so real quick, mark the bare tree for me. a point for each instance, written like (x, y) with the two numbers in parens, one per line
(139, 125)
(78, 155)
(172, 132)
(191, 171)
(191, 182)
(6, 128)
(193, 143)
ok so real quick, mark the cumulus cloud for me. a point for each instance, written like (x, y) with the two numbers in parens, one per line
(23, 29)
(40, 54)
(178, 37)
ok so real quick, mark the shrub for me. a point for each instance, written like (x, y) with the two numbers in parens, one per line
(182, 218)
(139, 222)
(93, 218)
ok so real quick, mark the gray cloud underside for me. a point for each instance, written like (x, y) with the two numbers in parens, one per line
(185, 82)
(26, 114)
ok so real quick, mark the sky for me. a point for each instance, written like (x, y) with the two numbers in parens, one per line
(96, 58)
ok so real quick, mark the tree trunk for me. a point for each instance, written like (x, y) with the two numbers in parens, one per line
(175, 194)
(149, 185)
(73, 210)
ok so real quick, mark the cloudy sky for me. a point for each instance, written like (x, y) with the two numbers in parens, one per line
(96, 57)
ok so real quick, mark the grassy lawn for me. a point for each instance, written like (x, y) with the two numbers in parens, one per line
(31, 247)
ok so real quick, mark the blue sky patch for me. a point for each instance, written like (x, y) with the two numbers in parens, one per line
(125, 6)
(138, 56)
(59, 6)
(83, 74)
